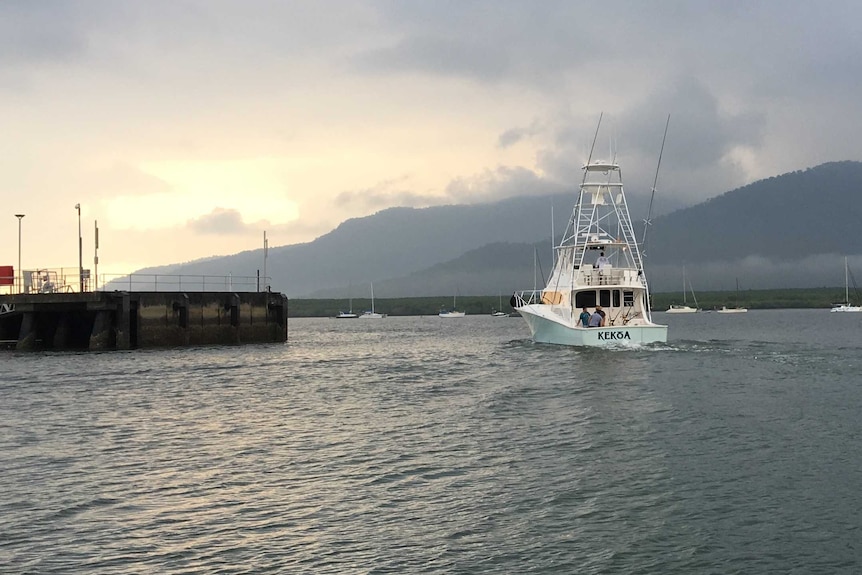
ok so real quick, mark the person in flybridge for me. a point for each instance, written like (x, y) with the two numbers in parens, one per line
(602, 261)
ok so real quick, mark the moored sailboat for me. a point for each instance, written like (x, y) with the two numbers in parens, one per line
(598, 265)
(453, 312)
(846, 307)
(498, 312)
(684, 308)
(371, 314)
(347, 314)
(737, 309)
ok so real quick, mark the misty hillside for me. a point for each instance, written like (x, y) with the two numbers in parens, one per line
(804, 213)
(390, 243)
(787, 231)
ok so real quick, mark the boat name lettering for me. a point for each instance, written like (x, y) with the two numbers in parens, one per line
(605, 335)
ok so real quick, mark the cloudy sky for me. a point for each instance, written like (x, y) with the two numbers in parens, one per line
(188, 127)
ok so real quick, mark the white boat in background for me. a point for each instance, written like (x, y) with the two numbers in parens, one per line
(347, 314)
(497, 312)
(846, 307)
(453, 312)
(371, 314)
(684, 308)
(675, 308)
(725, 309)
(598, 265)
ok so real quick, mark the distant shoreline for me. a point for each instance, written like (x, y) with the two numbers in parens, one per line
(781, 298)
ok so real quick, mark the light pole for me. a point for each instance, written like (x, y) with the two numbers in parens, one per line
(96, 257)
(20, 274)
(80, 250)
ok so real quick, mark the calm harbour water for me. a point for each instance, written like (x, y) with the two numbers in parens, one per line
(428, 445)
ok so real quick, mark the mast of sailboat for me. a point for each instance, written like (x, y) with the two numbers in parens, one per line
(684, 302)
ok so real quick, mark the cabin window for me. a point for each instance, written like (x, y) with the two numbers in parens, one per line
(616, 298)
(628, 298)
(585, 299)
(605, 298)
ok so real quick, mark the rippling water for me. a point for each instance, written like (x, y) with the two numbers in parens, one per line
(425, 445)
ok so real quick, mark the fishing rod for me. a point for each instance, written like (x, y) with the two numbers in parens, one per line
(648, 220)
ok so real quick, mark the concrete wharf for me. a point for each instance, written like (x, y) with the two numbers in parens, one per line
(119, 320)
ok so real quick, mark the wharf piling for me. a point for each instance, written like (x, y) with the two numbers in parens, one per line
(122, 320)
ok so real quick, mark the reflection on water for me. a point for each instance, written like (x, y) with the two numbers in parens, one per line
(419, 445)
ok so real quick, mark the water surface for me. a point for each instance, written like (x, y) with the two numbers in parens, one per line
(429, 445)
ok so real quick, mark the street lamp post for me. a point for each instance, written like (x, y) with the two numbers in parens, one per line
(20, 274)
(80, 250)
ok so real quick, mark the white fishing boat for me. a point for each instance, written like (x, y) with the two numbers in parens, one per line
(371, 314)
(453, 312)
(846, 307)
(684, 308)
(598, 267)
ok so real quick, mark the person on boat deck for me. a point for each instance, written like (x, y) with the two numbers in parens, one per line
(602, 261)
(598, 317)
(584, 317)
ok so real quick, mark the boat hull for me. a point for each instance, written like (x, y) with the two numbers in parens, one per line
(549, 329)
(681, 309)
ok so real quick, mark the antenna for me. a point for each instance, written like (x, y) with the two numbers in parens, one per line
(593, 147)
(648, 220)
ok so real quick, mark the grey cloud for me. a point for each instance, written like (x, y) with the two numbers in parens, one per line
(228, 222)
(385, 194)
(442, 56)
(33, 32)
(498, 184)
(487, 186)
(730, 74)
(701, 136)
(219, 222)
(514, 135)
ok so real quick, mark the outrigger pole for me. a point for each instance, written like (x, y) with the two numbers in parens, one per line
(593, 147)
(648, 220)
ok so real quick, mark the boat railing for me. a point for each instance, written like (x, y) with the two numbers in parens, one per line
(608, 276)
(527, 297)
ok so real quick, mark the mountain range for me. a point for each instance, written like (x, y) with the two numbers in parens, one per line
(791, 230)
